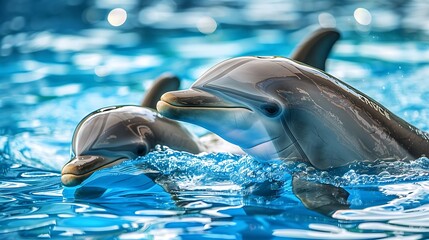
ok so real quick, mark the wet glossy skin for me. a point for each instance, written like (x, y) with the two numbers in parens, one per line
(99, 153)
(111, 135)
(277, 108)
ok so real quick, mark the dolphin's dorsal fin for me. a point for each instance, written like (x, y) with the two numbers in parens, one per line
(315, 49)
(164, 83)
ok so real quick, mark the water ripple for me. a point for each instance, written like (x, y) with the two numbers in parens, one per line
(39, 174)
(158, 212)
(390, 227)
(8, 185)
(92, 224)
(6, 199)
(323, 231)
(25, 224)
(381, 213)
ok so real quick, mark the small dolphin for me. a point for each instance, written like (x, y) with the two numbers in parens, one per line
(111, 135)
(274, 107)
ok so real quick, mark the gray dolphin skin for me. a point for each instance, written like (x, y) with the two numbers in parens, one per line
(274, 107)
(165, 83)
(315, 49)
(111, 135)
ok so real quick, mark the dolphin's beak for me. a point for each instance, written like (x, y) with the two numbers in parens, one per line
(176, 104)
(192, 98)
(81, 167)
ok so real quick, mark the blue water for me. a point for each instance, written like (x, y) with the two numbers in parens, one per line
(60, 60)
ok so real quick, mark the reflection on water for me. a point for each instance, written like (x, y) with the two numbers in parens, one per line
(169, 194)
(60, 60)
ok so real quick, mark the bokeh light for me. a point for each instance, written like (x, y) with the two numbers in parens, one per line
(362, 16)
(206, 25)
(117, 17)
(326, 20)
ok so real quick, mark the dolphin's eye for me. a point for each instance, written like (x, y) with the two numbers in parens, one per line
(141, 150)
(270, 109)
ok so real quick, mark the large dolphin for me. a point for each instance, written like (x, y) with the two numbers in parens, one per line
(274, 107)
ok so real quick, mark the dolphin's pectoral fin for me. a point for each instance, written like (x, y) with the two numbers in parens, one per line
(164, 83)
(322, 198)
(315, 49)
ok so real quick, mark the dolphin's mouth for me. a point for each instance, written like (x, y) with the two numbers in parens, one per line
(165, 106)
(173, 104)
(197, 98)
(82, 167)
